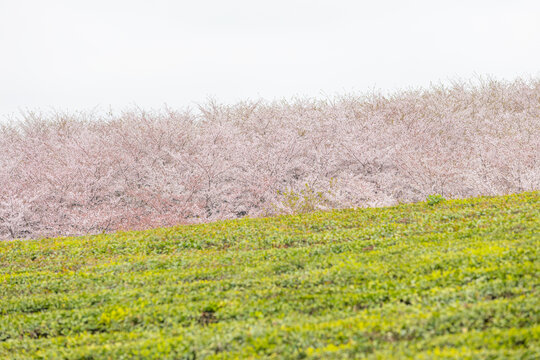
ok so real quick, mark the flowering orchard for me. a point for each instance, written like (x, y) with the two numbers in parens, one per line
(78, 174)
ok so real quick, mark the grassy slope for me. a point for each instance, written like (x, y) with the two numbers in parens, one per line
(457, 279)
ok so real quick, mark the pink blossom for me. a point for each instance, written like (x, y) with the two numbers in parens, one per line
(67, 174)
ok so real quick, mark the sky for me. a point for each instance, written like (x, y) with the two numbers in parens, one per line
(112, 55)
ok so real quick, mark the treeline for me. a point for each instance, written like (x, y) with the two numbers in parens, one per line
(67, 174)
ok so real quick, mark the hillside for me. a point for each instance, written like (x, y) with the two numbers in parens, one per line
(454, 279)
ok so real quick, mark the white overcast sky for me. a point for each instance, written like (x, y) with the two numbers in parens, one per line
(79, 55)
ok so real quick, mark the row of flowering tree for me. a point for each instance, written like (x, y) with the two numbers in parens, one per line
(64, 174)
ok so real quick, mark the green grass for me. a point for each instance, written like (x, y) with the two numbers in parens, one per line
(452, 279)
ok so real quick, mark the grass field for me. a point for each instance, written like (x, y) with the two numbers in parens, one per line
(454, 279)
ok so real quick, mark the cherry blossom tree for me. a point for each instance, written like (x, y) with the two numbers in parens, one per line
(66, 174)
